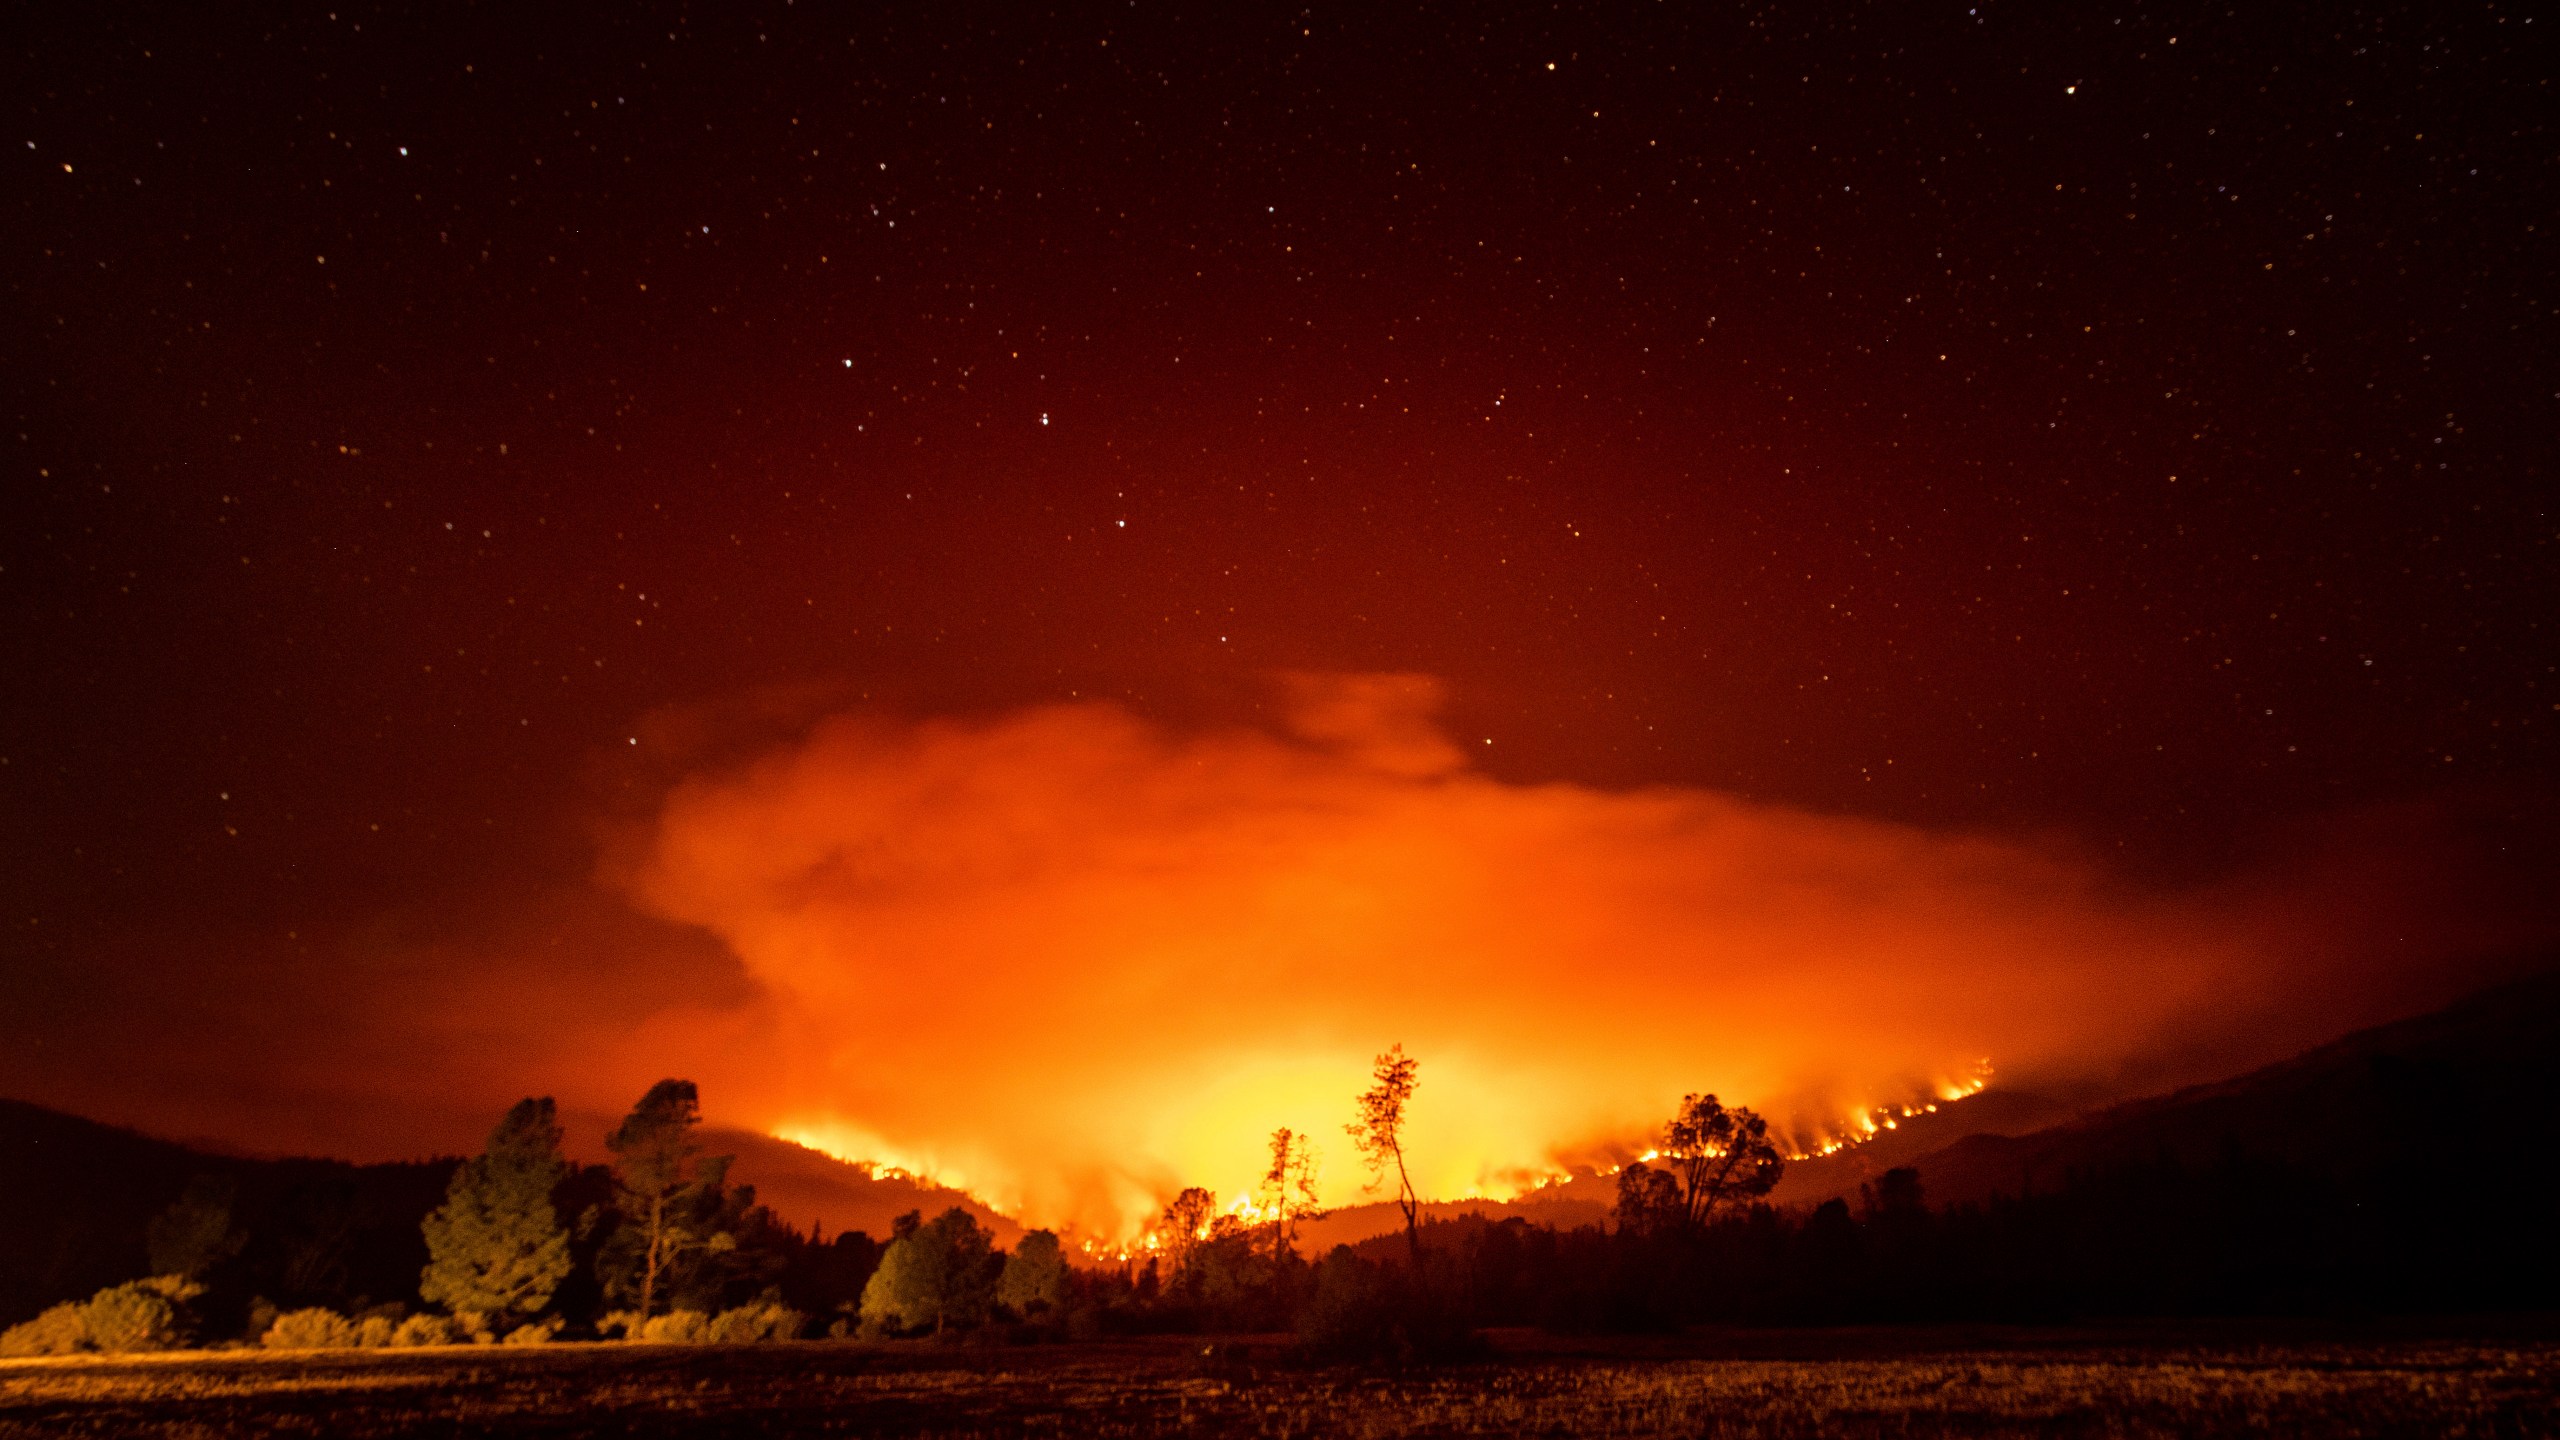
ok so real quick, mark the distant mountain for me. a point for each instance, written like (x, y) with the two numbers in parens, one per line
(1992, 1112)
(1587, 1199)
(806, 1188)
(2407, 1137)
(2466, 1097)
(78, 1197)
(1565, 1207)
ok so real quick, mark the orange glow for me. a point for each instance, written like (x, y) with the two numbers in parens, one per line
(1074, 961)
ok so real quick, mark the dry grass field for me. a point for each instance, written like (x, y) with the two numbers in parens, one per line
(1870, 1384)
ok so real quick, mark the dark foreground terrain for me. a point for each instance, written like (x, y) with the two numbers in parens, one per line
(1831, 1384)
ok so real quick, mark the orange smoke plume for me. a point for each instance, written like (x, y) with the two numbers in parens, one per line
(1073, 960)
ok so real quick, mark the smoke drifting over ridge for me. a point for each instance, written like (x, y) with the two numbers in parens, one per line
(1070, 959)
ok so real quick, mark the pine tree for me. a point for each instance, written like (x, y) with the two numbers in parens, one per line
(676, 1209)
(496, 1246)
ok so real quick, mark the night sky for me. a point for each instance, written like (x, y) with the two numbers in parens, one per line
(433, 430)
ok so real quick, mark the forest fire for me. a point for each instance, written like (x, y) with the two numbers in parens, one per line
(837, 719)
(1075, 962)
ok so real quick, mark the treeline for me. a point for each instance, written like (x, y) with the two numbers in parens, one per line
(518, 1246)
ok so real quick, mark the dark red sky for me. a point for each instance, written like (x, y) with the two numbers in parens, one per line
(2133, 426)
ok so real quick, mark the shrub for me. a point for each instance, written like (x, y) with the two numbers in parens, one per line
(676, 1327)
(374, 1332)
(140, 1316)
(427, 1330)
(137, 1315)
(312, 1329)
(62, 1330)
(757, 1324)
(533, 1332)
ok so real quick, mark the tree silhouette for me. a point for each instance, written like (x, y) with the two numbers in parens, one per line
(1035, 1276)
(1648, 1201)
(195, 1233)
(319, 1235)
(1187, 1222)
(496, 1246)
(1289, 1189)
(937, 1273)
(1717, 1154)
(668, 1193)
(1379, 1134)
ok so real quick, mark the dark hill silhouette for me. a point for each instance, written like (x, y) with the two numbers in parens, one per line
(1992, 1112)
(2406, 1165)
(81, 1194)
(2465, 1098)
(78, 1196)
(1586, 1198)
(1563, 1206)
(805, 1188)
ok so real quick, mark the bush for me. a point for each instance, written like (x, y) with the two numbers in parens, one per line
(533, 1332)
(139, 1316)
(374, 1332)
(761, 1323)
(62, 1330)
(312, 1329)
(676, 1327)
(121, 1319)
(427, 1330)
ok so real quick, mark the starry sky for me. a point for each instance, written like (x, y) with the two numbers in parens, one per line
(434, 429)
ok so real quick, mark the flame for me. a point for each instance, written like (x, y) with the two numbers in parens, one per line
(1074, 961)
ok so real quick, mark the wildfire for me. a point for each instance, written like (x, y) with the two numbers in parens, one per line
(1075, 963)
(870, 1154)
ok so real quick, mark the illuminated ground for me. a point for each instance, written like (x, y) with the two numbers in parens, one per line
(1837, 1383)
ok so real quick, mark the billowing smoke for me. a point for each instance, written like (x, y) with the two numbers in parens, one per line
(1070, 959)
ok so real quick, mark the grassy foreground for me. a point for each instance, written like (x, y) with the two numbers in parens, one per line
(1855, 1384)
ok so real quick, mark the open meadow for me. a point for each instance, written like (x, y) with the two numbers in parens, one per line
(1823, 1383)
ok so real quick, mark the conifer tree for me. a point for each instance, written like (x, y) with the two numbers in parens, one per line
(496, 1246)
(674, 1202)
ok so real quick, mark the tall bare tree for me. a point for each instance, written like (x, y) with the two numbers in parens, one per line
(1289, 1189)
(1379, 1135)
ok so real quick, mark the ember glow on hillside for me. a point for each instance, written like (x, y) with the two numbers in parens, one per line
(1075, 961)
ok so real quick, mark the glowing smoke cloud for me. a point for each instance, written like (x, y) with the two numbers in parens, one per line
(1072, 960)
